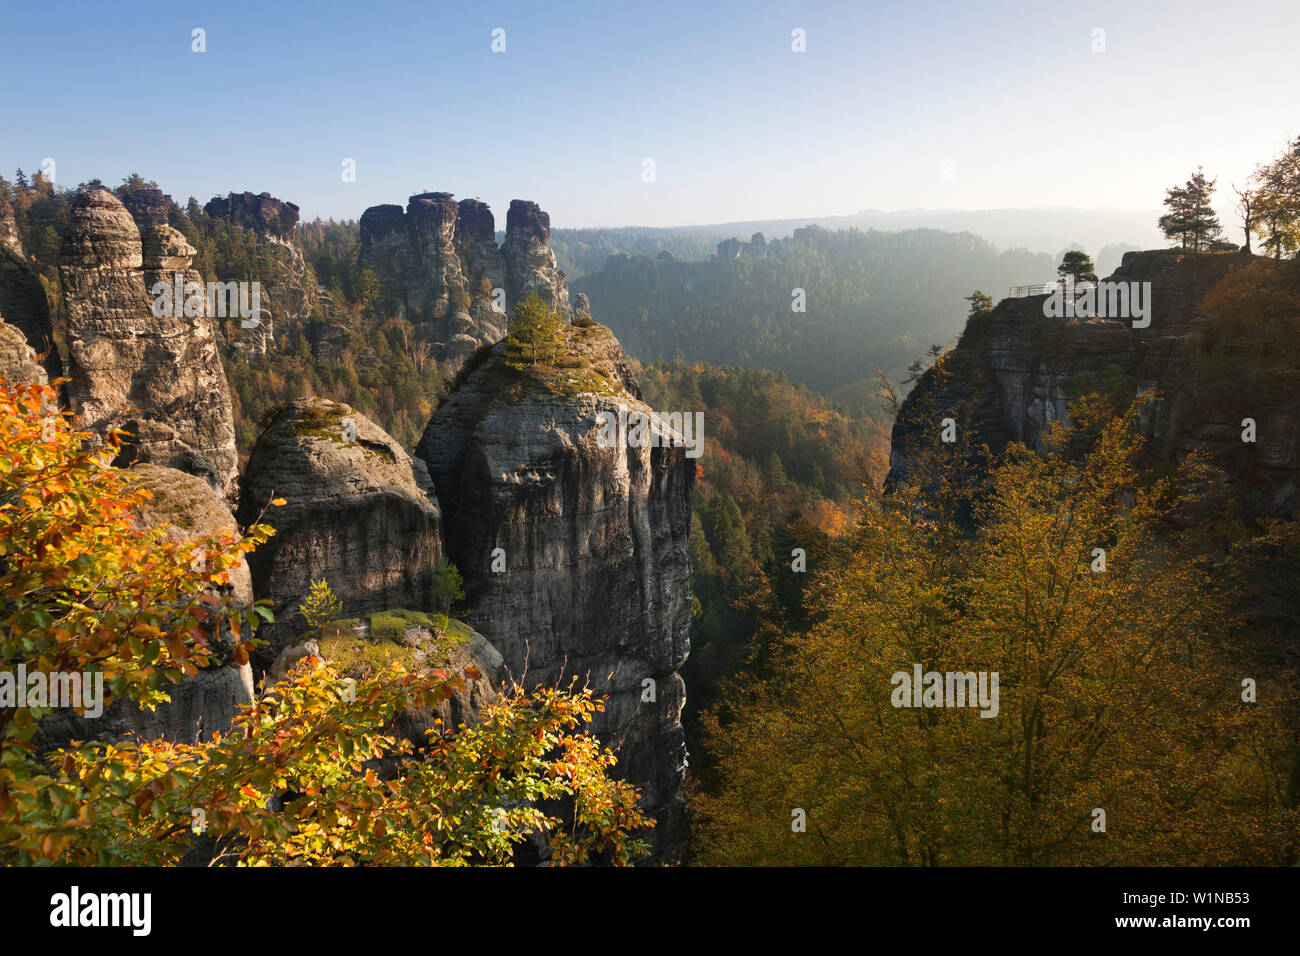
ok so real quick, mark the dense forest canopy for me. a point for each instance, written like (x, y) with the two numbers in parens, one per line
(869, 298)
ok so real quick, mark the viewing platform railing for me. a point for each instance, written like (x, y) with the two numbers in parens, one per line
(1042, 288)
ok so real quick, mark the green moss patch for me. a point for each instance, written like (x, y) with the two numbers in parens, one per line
(414, 639)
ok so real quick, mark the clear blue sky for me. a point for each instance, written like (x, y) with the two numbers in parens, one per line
(893, 106)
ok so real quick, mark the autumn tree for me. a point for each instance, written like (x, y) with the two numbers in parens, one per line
(1113, 693)
(1276, 207)
(83, 590)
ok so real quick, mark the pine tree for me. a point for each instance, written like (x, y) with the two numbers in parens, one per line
(1078, 266)
(1191, 219)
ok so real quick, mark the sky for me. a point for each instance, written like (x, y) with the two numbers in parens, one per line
(891, 106)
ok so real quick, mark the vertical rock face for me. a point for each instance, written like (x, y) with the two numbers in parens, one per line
(1014, 372)
(289, 294)
(261, 213)
(484, 270)
(149, 206)
(530, 263)
(24, 306)
(440, 263)
(590, 546)
(159, 377)
(9, 238)
(360, 513)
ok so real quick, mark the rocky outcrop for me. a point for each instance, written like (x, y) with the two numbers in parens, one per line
(575, 556)
(9, 238)
(149, 206)
(484, 269)
(756, 247)
(188, 509)
(439, 262)
(360, 513)
(24, 306)
(18, 363)
(261, 213)
(530, 263)
(148, 369)
(289, 292)
(1014, 371)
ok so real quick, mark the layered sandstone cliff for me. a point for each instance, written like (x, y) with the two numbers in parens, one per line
(575, 555)
(154, 372)
(359, 513)
(439, 262)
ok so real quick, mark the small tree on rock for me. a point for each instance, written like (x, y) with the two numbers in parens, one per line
(535, 337)
(1076, 265)
(321, 605)
(1191, 219)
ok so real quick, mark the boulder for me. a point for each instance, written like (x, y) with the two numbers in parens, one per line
(360, 514)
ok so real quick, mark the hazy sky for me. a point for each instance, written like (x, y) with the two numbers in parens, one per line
(892, 106)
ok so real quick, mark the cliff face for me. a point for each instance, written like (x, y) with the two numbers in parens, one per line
(290, 294)
(439, 261)
(24, 306)
(123, 357)
(149, 206)
(360, 513)
(264, 214)
(1015, 370)
(590, 550)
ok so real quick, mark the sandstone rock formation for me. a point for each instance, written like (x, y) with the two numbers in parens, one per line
(360, 513)
(262, 214)
(440, 263)
(530, 263)
(149, 206)
(289, 293)
(24, 306)
(9, 238)
(590, 546)
(1015, 371)
(157, 376)
(18, 363)
(188, 508)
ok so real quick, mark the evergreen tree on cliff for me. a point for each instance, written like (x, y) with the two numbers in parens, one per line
(1191, 220)
(1077, 265)
(535, 336)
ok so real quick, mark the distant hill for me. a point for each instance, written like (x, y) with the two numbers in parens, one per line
(871, 298)
(1052, 230)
